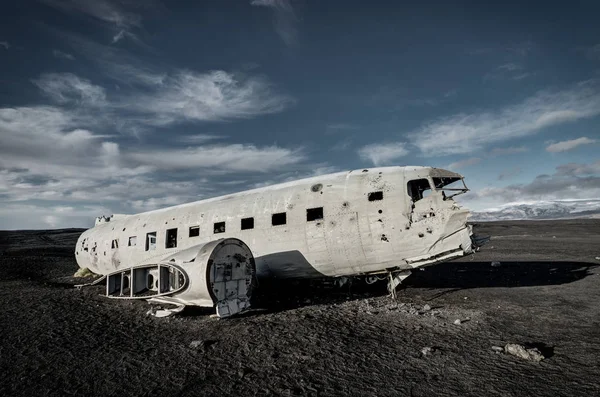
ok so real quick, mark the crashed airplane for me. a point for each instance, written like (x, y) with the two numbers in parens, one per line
(377, 223)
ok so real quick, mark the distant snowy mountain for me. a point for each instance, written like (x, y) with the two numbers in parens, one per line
(560, 209)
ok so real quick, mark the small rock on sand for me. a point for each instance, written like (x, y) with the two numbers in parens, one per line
(521, 352)
(196, 344)
(457, 321)
(427, 350)
(426, 308)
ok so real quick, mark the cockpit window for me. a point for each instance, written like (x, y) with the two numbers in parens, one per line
(450, 184)
(418, 188)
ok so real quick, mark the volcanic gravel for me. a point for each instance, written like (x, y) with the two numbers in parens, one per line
(313, 338)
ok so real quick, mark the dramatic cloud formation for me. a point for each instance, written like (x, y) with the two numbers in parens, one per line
(128, 105)
(52, 154)
(569, 145)
(467, 132)
(382, 154)
(210, 96)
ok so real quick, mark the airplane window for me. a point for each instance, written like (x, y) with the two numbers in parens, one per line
(375, 196)
(132, 241)
(278, 219)
(418, 188)
(312, 214)
(171, 240)
(115, 244)
(247, 223)
(150, 241)
(194, 231)
(450, 186)
(219, 227)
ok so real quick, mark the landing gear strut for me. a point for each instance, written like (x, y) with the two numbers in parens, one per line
(395, 279)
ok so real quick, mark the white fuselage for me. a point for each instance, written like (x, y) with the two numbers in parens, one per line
(348, 223)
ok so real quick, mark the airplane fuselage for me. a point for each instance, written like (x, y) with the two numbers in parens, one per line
(348, 223)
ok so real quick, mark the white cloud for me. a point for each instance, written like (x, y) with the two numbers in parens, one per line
(51, 154)
(68, 88)
(5, 44)
(46, 157)
(284, 18)
(47, 142)
(185, 96)
(570, 181)
(382, 153)
(564, 146)
(468, 132)
(116, 38)
(63, 55)
(212, 96)
(463, 163)
(233, 157)
(162, 98)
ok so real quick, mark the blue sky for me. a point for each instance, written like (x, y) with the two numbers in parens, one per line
(111, 106)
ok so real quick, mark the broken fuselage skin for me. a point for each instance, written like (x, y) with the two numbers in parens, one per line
(361, 222)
